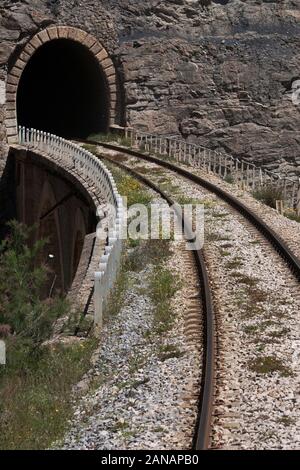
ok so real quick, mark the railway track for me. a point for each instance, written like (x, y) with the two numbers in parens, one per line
(203, 432)
(203, 429)
(277, 242)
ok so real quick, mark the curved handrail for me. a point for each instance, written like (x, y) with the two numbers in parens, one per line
(90, 168)
(220, 163)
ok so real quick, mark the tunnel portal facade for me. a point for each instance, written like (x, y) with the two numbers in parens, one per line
(63, 82)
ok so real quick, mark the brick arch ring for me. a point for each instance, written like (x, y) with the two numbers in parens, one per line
(44, 36)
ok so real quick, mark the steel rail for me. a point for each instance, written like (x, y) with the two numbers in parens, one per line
(278, 243)
(202, 433)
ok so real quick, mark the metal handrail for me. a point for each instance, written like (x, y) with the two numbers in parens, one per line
(89, 168)
(248, 174)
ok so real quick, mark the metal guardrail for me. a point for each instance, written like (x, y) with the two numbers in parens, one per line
(249, 175)
(89, 168)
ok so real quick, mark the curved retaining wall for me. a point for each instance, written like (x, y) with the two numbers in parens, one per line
(91, 169)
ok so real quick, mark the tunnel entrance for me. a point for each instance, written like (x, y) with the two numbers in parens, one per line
(63, 90)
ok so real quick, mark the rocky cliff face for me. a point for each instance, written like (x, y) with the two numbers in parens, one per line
(220, 73)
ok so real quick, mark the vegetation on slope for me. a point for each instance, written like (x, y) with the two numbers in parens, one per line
(37, 380)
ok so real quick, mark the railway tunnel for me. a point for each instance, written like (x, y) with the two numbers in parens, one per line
(62, 91)
(62, 82)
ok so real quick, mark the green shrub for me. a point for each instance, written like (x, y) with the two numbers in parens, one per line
(292, 215)
(22, 279)
(36, 393)
(229, 179)
(269, 365)
(36, 383)
(109, 137)
(268, 195)
(164, 284)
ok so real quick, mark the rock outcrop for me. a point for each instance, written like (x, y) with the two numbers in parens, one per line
(219, 73)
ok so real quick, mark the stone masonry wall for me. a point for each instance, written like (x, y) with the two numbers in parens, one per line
(217, 74)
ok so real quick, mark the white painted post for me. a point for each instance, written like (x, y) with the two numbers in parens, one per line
(184, 151)
(220, 164)
(242, 173)
(209, 161)
(261, 176)
(253, 177)
(280, 206)
(193, 156)
(247, 176)
(203, 162)
(156, 144)
(169, 146)
(225, 167)
(294, 195)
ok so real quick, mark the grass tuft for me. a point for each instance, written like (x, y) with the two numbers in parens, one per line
(268, 195)
(269, 365)
(169, 351)
(164, 284)
(35, 396)
(292, 215)
(109, 137)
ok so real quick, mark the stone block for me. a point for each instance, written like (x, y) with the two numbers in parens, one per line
(113, 104)
(43, 36)
(11, 88)
(112, 120)
(10, 105)
(89, 41)
(12, 80)
(12, 139)
(11, 123)
(16, 72)
(29, 49)
(24, 56)
(113, 88)
(10, 97)
(20, 64)
(102, 55)
(63, 31)
(53, 33)
(36, 42)
(96, 48)
(77, 34)
(111, 79)
(110, 71)
(11, 131)
(113, 97)
(106, 63)
(10, 114)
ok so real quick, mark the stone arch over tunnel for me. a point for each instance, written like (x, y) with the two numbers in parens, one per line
(63, 82)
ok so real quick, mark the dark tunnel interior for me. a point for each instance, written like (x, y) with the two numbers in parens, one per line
(63, 91)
